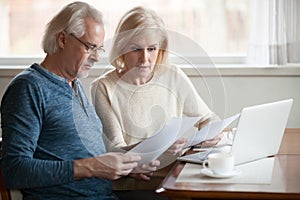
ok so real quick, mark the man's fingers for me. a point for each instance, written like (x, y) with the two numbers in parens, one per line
(131, 158)
(155, 163)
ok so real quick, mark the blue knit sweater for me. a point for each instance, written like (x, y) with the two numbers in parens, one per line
(46, 125)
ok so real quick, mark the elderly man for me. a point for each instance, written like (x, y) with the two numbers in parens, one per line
(52, 137)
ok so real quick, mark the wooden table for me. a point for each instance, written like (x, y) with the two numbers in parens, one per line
(285, 181)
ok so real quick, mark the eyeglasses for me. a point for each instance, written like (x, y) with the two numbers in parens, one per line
(90, 48)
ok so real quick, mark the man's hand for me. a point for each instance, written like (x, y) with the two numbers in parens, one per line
(110, 166)
(144, 172)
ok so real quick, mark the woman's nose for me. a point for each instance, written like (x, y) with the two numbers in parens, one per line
(144, 55)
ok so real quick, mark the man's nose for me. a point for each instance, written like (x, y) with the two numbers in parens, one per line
(95, 56)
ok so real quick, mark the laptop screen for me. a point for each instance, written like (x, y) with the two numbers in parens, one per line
(260, 130)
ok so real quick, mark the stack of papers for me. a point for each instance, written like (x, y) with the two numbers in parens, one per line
(210, 130)
(152, 147)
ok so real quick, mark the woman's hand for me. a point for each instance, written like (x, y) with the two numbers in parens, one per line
(177, 146)
(211, 142)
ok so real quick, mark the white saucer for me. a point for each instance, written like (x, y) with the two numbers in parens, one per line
(211, 174)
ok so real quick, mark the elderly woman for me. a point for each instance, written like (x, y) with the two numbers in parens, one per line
(135, 99)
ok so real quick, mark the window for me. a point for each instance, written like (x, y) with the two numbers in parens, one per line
(220, 27)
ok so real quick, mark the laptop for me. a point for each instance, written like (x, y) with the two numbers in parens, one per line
(259, 133)
(260, 130)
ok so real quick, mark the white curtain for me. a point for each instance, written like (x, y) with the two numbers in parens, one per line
(275, 34)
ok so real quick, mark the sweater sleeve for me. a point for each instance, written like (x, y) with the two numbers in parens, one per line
(111, 126)
(22, 119)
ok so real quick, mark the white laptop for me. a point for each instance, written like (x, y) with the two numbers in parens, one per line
(260, 131)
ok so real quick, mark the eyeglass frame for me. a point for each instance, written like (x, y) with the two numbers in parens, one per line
(90, 48)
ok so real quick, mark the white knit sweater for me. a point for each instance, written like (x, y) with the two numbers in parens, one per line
(131, 113)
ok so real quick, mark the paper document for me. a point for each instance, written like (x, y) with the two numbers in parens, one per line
(152, 147)
(210, 131)
(197, 157)
(255, 172)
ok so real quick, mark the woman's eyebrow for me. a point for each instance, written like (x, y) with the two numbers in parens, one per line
(137, 45)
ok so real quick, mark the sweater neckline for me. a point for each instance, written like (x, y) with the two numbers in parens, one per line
(50, 75)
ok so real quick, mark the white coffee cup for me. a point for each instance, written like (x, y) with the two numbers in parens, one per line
(220, 163)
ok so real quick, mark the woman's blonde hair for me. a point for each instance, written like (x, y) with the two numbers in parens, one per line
(70, 19)
(135, 22)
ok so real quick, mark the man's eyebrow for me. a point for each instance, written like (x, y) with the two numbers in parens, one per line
(94, 45)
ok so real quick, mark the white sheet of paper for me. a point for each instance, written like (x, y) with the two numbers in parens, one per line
(255, 172)
(152, 147)
(210, 131)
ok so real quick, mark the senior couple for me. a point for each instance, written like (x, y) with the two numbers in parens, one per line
(57, 145)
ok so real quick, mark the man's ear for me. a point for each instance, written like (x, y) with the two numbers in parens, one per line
(61, 39)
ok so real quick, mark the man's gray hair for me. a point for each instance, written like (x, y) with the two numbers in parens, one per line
(70, 19)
